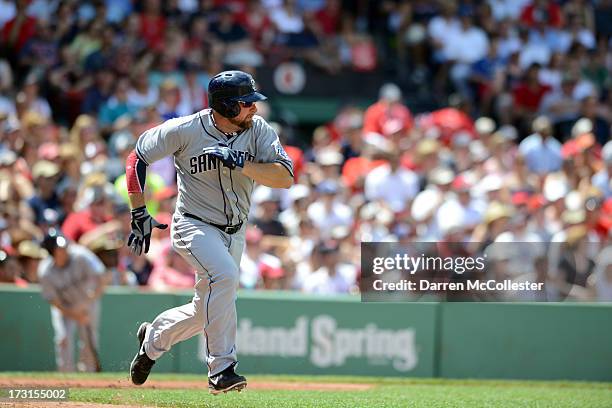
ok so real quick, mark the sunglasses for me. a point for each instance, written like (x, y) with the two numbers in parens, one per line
(246, 104)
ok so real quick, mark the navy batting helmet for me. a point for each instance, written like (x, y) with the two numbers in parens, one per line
(53, 239)
(228, 88)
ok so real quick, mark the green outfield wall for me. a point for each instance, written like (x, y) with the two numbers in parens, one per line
(288, 333)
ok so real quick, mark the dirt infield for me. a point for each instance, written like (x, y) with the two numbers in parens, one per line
(125, 383)
(152, 384)
(50, 404)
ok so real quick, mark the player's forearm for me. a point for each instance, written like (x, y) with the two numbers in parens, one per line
(65, 311)
(136, 200)
(273, 175)
(135, 176)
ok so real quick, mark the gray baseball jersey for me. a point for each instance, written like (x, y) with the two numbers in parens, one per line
(206, 188)
(70, 285)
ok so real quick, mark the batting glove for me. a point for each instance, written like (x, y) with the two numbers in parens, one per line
(230, 158)
(142, 225)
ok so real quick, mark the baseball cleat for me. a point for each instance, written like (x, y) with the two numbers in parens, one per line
(141, 364)
(226, 380)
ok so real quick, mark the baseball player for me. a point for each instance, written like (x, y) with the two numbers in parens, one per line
(72, 280)
(219, 154)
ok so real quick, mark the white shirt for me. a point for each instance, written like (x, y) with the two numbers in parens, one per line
(467, 46)
(541, 156)
(441, 29)
(142, 100)
(533, 52)
(321, 282)
(287, 23)
(340, 215)
(394, 189)
(503, 9)
(7, 106)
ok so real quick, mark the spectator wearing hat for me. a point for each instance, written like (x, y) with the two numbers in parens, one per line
(541, 151)
(96, 211)
(267, 211)
(106, 243)
(330, 161)
(273, 274)
(329, 211)
(296, 209)
(461, 198)
(321, 140)
(332, 277)
(388, 107)
(45, 175)
(589, 109)
(495, 221)
(392, 183)
(29, 255)
(10, 270)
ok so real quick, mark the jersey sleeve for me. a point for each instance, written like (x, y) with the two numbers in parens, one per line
(159, 142)
(270, 150)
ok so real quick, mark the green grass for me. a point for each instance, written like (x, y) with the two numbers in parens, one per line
(386, 392)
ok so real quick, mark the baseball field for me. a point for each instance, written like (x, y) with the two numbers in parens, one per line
(114, 390)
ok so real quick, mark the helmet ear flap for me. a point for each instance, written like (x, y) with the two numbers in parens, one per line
(226, 108)
(233, 108)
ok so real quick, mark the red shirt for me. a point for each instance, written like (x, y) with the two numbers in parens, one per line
(152, 30)
(529, 97)
(79, 223)
(24, 32)
(378, 114)
(329, 20)
(297, 157)
(355, 169)
(448, 121)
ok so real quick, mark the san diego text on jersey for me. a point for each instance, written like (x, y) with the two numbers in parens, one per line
(206, 162)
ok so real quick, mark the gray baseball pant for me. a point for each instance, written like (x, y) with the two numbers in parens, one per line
(63, 340)
(215, 256)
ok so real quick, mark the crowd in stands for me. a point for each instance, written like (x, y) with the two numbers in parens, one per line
(519, 150)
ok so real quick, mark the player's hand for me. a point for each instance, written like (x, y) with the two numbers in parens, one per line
(83, 319)
(142, 225)
(229, 157)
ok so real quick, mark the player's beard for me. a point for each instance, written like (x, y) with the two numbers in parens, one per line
(243, 124)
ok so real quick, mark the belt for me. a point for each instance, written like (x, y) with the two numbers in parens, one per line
(228, 229)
